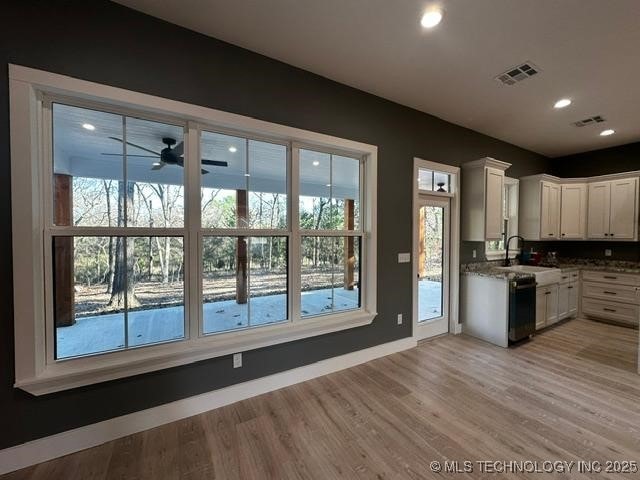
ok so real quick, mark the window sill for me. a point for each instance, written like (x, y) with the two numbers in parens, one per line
(498, 255)
(68, 374)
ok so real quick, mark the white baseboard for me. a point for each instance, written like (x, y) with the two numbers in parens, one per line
(47, 448)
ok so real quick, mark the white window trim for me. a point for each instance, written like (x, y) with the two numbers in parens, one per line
(38, 376)
(514, 185)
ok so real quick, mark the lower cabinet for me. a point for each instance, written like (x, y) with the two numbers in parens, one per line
(546, 306)
(568, 295)
(611, 296)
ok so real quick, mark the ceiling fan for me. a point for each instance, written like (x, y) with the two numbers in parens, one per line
(168, 155)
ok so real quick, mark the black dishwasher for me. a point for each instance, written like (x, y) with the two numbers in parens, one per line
(522, 308)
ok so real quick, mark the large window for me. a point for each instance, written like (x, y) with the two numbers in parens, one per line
(187, 239)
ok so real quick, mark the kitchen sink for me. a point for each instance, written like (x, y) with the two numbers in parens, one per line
(544, 275)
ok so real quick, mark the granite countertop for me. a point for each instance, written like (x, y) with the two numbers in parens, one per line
(491, 270)
(613, 266)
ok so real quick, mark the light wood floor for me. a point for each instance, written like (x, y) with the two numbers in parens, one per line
(570, 394)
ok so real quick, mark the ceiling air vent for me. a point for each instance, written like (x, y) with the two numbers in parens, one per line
(589, 121)
(517, 74)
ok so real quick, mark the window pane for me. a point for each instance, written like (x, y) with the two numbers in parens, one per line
(330, 274)
(425, 179)
(267, 185)
(430, 266)
(155, 173)
(88, 319)
(244, 282)
(442, 182)
(87, 166)
(247, 185)
(329, 191)
(156, 281)
(110, 296)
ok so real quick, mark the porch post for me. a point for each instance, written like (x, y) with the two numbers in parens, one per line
(64, 295)
(241, 249)
(349, 256)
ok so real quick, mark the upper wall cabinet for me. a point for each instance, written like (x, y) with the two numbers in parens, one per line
(573, 211)
(482, 200)
(552, 208)
(540, 205)
(613, 210)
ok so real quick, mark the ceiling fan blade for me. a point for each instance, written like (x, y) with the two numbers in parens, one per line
(121, 154)
(179, 149)
(159, 166)
(134, 145)
(215, 163)
(204, 171)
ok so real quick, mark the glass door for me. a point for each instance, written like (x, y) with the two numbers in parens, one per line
(432, 256)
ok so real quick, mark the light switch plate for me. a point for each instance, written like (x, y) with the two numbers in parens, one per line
(237, 360)
(404, 257)
(399, 319)
(607, 252)
(474, 253)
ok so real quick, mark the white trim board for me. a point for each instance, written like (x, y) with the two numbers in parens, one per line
(58, 445)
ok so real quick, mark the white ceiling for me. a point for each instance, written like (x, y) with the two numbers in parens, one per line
(588, 50)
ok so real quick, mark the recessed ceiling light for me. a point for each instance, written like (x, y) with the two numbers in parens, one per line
(431, 18)
(156, 164)
(233, 149)
(316, 163)
(606, 133)
(88, 126)
(563, 102)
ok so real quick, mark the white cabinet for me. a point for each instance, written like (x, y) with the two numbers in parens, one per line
(482, 198)
(546, 306)
(612, 212)
(573, 211)
(622, 216)
(494, 179)
(611, 296)
(552, 208)
(552, 304)
(539, 209)
(568, 295)
(550, 211)
(541, 308)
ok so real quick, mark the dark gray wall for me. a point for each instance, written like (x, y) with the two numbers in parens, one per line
(106, 43)
(624, 158)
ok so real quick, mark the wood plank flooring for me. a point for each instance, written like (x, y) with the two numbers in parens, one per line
(570, 394)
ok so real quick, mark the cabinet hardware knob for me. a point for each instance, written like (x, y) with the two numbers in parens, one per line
(570, 287)
(609, 310)
(610, 277)
(547, 293)
(610, 293)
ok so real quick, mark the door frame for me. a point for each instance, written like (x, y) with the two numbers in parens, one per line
(420, 331)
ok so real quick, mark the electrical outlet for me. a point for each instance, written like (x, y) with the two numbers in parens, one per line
(404, 257)
(399, 319)
(473, 253)
(608, 252)
(237, 360)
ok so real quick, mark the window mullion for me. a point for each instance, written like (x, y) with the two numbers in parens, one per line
(295, 238)
(192, 241)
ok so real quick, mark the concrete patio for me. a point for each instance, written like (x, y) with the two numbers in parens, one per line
(100, 333)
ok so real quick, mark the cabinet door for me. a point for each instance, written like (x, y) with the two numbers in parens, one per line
(598, 215)
(552, 304)
(494, 196)
(563, 301)
(550, 211)
(573, 298)
(622, 216)
(541, 308)
(573, 211)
